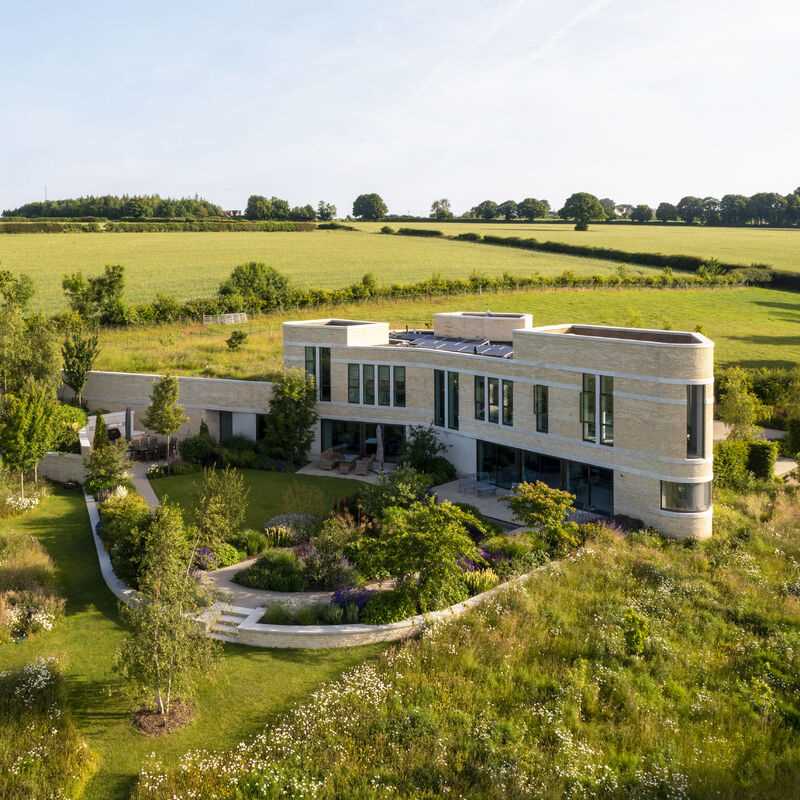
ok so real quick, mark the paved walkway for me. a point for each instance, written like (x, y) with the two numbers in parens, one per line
(142, 485)
(222, 581)
(722, 429)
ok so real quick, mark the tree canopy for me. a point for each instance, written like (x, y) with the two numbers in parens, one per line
(118, 206)
(369, 207)
(583, 207)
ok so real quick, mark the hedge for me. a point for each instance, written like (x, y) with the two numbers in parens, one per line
(419, 232)
(164, 309)
(761, 458)
(737, 460)
(166, 226)
(730, 463)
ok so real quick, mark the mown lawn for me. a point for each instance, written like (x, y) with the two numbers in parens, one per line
(271, 493)
(249, 686)
(751, 326)
(190, 265)
(779, 247)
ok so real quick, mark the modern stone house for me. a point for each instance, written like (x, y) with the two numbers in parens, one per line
(620, 417)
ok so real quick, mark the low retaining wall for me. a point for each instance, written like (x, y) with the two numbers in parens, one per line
(63, 467)
(246, 629)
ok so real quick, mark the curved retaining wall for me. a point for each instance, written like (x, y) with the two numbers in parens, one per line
(241, 625)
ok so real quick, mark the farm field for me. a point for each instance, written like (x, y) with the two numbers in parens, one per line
(778, 247)
(191, 265)
(751, 326)
(248, 687)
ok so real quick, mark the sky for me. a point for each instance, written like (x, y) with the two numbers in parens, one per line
(641, 102)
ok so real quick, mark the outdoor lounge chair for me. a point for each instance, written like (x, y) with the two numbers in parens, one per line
(328, 459)
(363, 465)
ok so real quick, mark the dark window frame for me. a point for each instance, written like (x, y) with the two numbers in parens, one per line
(399, 386)
(479, 388)
(696, 421)
(324, 374)
(507, 401)
(439, 404)
(354, 383)
(606, 410)
(493, 408)
(541, 402)
(368, 385)
(682, 498)
(452, 400)
(384, 385)
(588, 407)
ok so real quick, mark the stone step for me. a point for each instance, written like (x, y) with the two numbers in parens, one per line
(221, 637)
(235, 619)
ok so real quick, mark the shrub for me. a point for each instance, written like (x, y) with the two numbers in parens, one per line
(200, 448)
(326, 566)
(387, 229)
(730, 463)
(440, 471)
(537, 504)
(420, 447)
(470, 236)
(120, 514)
(478, 581)
(276, 570)
(635, 629)
(250, 542)
(761, 458)
(221, 505)
(399, 489)
(276, 614)
(561, 540)
(226, 554)
(792, 440)
(508, 547)
(106, 468)
(386, 607)
(236, 340)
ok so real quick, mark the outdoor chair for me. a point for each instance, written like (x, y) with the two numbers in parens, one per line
(346, 467)
(363, 465)
(328, 459)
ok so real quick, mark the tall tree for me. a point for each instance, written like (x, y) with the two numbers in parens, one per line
(666, 212)
(326, 211)
(440, 209)
(583, 208)
(609, 206)
(97, 298)
(486, 210)
(733, 209)
(690, 208)
(508, 209)
(531, 208)
(166, 651)
(79, 351)
(164, 415)
(258, 207)
(27, 428)
(711, 211)
(739, 407)
(289, 421)
(369, 207)
(642, 213)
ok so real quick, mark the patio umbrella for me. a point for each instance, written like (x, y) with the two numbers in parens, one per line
(128, 423)
(379, 445)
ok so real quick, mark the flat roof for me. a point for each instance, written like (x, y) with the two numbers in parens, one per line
(646, 335)
(428, 340)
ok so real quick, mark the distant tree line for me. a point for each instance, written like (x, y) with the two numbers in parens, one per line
(111, 206)
(275, 208)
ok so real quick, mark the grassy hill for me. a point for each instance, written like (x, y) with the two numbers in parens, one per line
(190, 265)
(778, 247)
(751, 326)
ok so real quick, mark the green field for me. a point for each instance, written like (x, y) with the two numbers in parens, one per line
(190, 265)
(778, 247)
(752, 327)
(249, 686)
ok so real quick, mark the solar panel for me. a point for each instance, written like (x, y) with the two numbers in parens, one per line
(429, 341)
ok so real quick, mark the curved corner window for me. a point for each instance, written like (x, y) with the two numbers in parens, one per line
(685, 497)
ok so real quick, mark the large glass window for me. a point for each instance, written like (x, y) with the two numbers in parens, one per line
(384, 386)
(399, 386)
(452, 400)
(480, 397)
(369, 384)
(311, 362)
(588, 408)
(353, 383)
(508, 402)
(607, 410)
(695, 421)
(494, 399)
(325, 373)
(438, 398)
(685, 497)
(540, 403)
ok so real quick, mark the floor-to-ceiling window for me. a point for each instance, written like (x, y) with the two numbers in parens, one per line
(361, 438)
